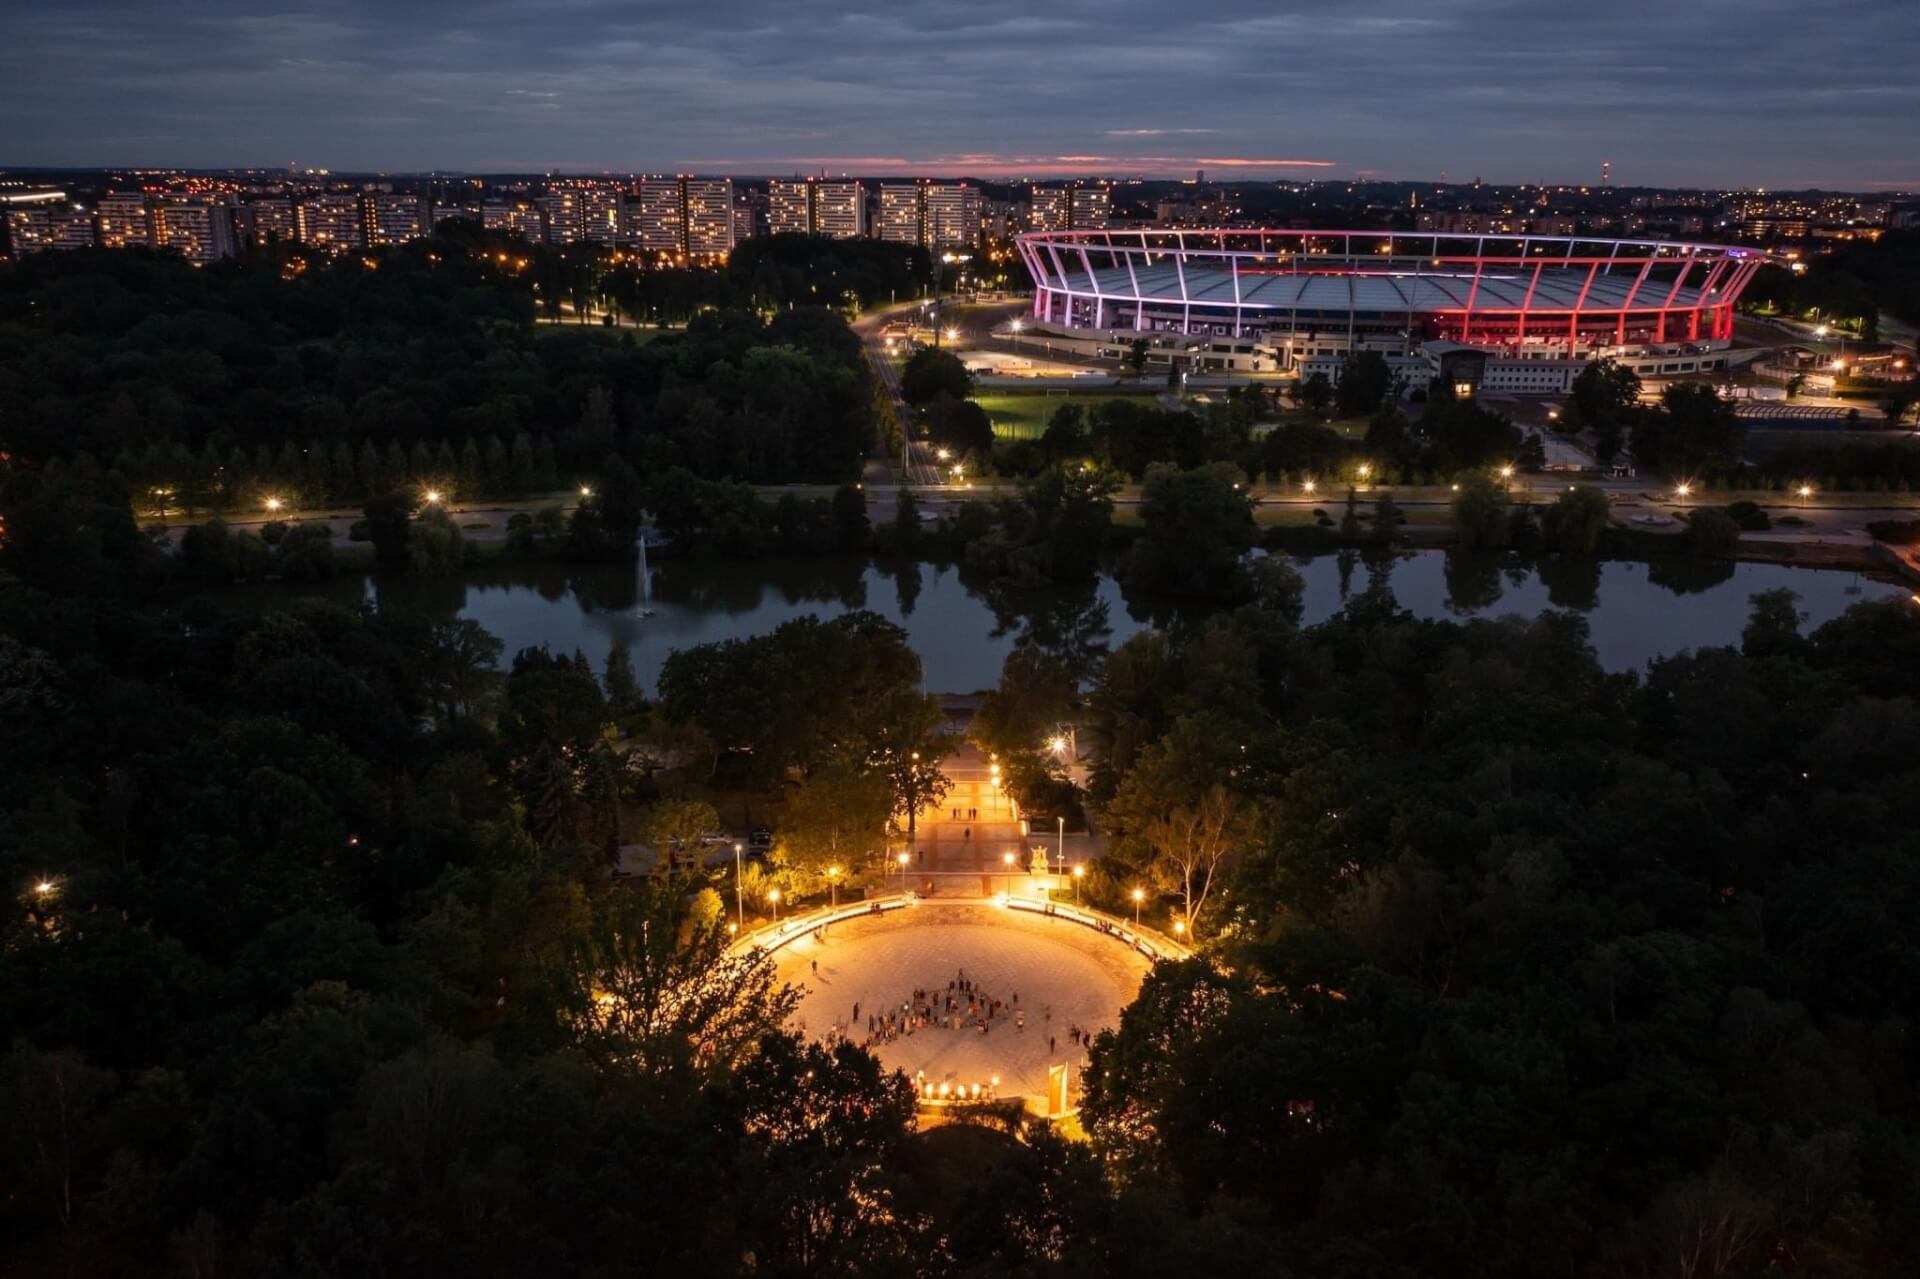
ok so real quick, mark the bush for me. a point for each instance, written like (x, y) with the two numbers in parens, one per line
(272, 531)
(1749, 517)
(1893, 532)
(358, 531)
(1712, 532)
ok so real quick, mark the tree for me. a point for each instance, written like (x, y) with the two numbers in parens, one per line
(905, 539)
(1193, 844)
(1314, 391)
(1577, 520)
(1601, 396)
(1480, 514)
(1693, 432)
(850, 522)
(435, 547)
(677, 829)
(624, 698)
(1198, 528)
(1137, 356)
(389, 527)
(620, 501)
(643, 1002)
(836, 817)
(931, 373)
(1365, 380)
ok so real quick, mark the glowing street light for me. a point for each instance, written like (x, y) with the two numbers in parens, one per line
(432, 496)
(273, 504)
(1079, 873)
(586, 490)
(1058, 745)
(44, 888)
(1139, 895)
(902, 859)
(1006, 860)
(773, 895)
(1366, 469)
(1179, 927)
(833, 884)
(739, 890)
(1805, 491)
(1308, 486)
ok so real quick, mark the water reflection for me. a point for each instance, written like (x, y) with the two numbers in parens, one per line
(963, 626)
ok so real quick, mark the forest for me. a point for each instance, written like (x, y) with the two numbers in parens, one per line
(320, 380)
(1509, 965)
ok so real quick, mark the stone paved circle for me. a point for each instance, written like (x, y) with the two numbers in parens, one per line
(1064, 973)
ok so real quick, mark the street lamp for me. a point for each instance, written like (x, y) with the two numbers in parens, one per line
(1366, 469)
(1805, 491)
(773, 895)
(273, 504)
(1062, 847)
(1179, 928)
(1682, 491)
(1307, 486)
(1139, 895)
(1006, 859)
(433, 497)
(586, 491)
(739, 890)
(903, 872)
(1079, 873)
(833, 885)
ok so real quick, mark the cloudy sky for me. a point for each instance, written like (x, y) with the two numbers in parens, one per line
(1674, 92)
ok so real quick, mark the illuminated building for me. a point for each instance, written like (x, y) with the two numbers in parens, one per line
(603, 214)
(655, 217)
(1237, 298)
(39, 228)
(126, 220)
(519, 217)
(394, 219)
(199, 230)
(832, 210)
(562, 210)
(272, 221)
(952, 215)
(709, 216)
(901, 213)
(332, 222)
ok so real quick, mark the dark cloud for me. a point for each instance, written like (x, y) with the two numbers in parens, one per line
(1696, 91)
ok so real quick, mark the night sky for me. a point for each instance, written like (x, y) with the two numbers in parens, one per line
(1674, 92)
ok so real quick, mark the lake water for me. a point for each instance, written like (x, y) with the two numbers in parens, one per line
(964, 626)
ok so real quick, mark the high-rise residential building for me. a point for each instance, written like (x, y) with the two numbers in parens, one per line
(199, 230)
(902, 212)
(1051, 210)
(1090, 208)
(834, 210)
(839, 210)
(332, 222)
(562, 211)
(709, 216)
(126, 219)
(1075, 208)
(952, 217)
(789, 207)
(442, 212)
(655, 216)
(603, 214)
(272, 221)
(518, 217)
(38, 228)
(749, 215)
(394, 219)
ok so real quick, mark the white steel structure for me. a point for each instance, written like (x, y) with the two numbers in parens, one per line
(1500, 291)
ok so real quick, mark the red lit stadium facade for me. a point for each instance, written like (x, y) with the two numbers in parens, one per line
(1546, 295)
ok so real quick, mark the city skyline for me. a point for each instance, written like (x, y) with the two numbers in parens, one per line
(1708, 95)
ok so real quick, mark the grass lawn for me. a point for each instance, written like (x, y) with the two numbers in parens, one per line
(1023, 415)
(1763, 441)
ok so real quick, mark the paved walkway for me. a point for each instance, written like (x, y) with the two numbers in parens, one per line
(973, 829)
(1063, 973)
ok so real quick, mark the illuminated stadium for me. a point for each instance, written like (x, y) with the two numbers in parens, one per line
(1305, 293)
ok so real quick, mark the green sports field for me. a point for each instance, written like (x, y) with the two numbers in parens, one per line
(1023, 415)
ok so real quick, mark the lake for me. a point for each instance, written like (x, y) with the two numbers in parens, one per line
(963, 626)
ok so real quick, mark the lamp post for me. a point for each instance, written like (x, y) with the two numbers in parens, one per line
(1079, 873)
(833, 885)
(773, 896)
(1006, 883)
(1062, 845)
(739, 890)
(1139, 895)
(1682, 491)
(902, 859)
(1805, 491)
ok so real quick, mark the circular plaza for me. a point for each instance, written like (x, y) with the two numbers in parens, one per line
(964, 994)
